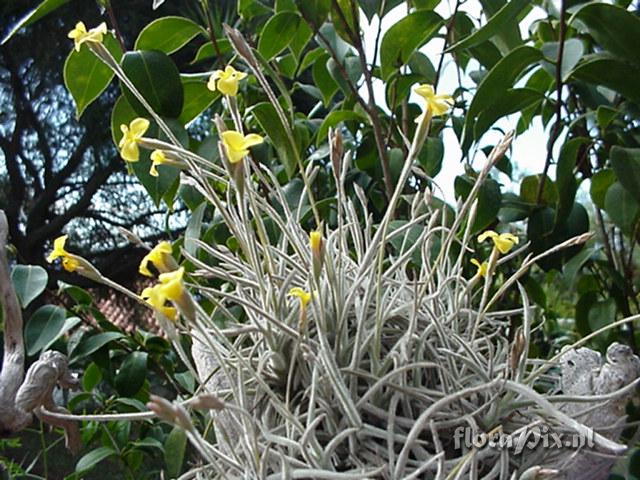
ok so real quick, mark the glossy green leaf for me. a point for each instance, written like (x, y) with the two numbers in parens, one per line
(529, 190)
(132, 374)
(89, 345)
(278, 33)
(93, 458)
(605, 115)
(86, 76)
(405, 37)
(508, 37)
(168, 34)
(345, 19)
(600, 183)
(603, 69)
(572, 53)
(323, 79)
(513, 208)
(277, 132)
(613, 27)
(566, 182)
(197, 98)
(622, 207)
(352, 66)
(333, 119)
(29, 281)
(314, 12)
(489, 200)
(43, 327)
(494, 87)
(512, 101)
(431, 156)
(494, 26)
(157, 78)
(174, 449)
(207, 50)
(602, 313)
(626, 165)
(91, 377)
(42, 10)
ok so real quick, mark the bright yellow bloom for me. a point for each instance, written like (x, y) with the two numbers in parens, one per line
(226, 81)
(161, 258)
(79, 35)
(236, 145)
(482, 267)
(172, 286)
(502, 241)
(131, 135)
(155, 297)
(305, 297)
(315, 241)
(158, 158)
(69, 262)
(437, 104)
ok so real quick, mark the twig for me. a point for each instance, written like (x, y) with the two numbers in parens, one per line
(557, 127)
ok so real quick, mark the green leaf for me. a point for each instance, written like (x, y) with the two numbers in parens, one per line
(345, 19)
(602, 313)
(602, 69)
(174, 448)
(333, 119)
(270, 122)
(44, 326)
(278, 33)
(207, 51)
(29, 281)
(197, 98)
(314, 11)
(489, 200)
(79, 295)
(605, 115)
(86, 76)
(91, 378)
(431, 156)
(529, 190)
(626, 165)
(42, 10)
(405, 37)
(513, 209)
(168, 34)
(566, 183)
(513, 100)
(509, 36)
(622, 207)
(494, 26)
(323, 79)
(420, 65)
(91, 459)
(89, 345)
(132, 374)
(572, 53)
(494, 87)
(600, 183)
(613, 27)
(156, 77)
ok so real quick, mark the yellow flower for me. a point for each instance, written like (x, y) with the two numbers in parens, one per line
(131, 135)
(69, 262)
(315, 241)
(237, 145)
(155, 297)
(305, 297)
(482, 267)
(79, 35)
(158, 158)
(161, 258)
(172, 286)
(226, 81)
(437, 104)
(502, 241)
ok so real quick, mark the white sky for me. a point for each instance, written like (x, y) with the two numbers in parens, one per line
(528, 150)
